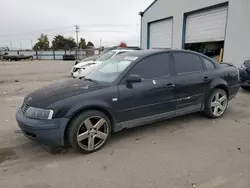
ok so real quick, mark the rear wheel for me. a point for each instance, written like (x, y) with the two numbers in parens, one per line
(216, 104)
(89, 131)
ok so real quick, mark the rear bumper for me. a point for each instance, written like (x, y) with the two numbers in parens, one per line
(246, 83)
(233, 91)
(49, 132)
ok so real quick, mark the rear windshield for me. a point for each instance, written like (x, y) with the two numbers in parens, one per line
(106, 56)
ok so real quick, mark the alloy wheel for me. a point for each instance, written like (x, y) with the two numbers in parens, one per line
(219, 103)
(92, 133)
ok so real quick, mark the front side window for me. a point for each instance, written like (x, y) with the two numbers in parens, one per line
(187, 63)
(154, 66)
(106, 56)
(111, 69)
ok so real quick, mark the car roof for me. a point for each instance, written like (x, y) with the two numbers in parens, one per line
(145, 53)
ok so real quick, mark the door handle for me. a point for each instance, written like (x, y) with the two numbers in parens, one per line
(169, 85)
(206, 78)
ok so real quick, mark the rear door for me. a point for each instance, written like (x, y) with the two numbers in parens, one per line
(190, 82)
(152, 97)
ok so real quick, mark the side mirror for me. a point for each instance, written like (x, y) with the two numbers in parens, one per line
(133, 78)
(76, 62)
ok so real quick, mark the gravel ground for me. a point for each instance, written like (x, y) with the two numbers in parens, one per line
(184, 152)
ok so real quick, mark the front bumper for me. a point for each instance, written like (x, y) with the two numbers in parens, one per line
(80, 73)
(49, 132)
(76, 74)
(73, 70)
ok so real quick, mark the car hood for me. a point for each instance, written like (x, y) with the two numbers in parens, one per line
(84, 63)
(61, 90)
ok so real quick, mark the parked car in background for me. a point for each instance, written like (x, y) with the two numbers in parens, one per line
(91, 58)
(129, 90)
(82, 69)
(245, 75)
(94, 57)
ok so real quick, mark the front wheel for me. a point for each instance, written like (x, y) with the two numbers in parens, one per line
(89, 131)
(216, 104)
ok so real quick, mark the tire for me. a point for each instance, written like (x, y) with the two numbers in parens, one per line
(245, 88)
(89, 131)
(218, 99)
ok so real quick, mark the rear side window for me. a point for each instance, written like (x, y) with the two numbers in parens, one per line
(208, 64)
(187, 63)
(155, 66)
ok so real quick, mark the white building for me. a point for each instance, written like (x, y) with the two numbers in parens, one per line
(201, 25)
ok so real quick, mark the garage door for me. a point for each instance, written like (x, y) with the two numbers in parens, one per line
(160, 34)
(206, 26)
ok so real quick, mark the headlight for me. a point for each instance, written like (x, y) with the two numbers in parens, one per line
(38, 113)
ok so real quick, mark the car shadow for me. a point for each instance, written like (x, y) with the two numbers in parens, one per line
(171, 125)
(176, 124)
(245, 91)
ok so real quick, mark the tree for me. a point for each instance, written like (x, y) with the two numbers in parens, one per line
(123, 45)
(82, 43)
(4, 48)
(70, 42)
(90, 44)
(59, 42)
(43, 43)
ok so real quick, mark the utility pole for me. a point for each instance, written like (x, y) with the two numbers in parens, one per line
(77, 31)
(31, 44)
(100, 42)
(10, 45)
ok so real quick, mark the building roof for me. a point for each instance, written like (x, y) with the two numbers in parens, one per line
(149, 6)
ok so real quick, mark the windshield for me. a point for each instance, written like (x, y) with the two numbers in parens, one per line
(111, 69)
(106, 56)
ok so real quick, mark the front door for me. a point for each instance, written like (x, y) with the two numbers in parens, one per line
(190, 82)
(151, 99)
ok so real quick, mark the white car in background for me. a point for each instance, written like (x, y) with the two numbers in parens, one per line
(81, 69)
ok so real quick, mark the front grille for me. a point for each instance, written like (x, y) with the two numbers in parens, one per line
(24, 107)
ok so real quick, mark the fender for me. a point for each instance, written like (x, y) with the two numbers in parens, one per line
(219, 83)
(90, 104)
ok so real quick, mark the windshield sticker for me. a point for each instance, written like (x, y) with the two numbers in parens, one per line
(131, 58)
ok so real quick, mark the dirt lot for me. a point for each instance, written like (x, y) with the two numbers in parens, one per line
(185, 152)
